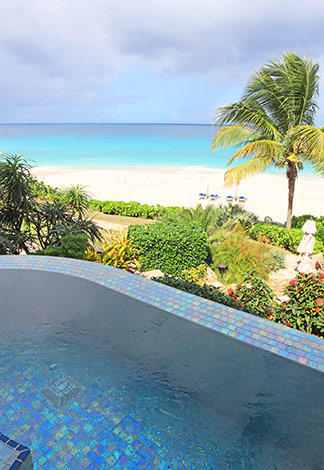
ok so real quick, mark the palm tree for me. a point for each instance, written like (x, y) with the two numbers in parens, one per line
(78, 199)
(273, 123)
(204, 216)
(15, 191)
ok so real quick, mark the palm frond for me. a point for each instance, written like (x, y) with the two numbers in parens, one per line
(309, 141)
(262, 148)
(237, 174)
(287, 90)
(231, 136)
(250, 114)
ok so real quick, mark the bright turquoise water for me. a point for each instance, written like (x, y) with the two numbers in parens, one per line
(115, 145)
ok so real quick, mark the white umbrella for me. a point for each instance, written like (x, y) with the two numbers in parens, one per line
(306, 247)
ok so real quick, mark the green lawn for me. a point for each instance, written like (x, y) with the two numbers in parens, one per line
(117, 220)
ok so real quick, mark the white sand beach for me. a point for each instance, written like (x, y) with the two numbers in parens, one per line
(266, 194)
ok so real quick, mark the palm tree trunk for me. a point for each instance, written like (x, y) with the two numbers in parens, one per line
(291, 175)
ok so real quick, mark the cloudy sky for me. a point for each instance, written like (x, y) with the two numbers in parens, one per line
(143, 60)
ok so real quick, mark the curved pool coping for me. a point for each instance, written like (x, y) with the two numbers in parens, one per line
(286, 342)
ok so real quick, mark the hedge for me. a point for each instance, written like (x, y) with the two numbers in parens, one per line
(170, 247)
(280, 236)
(132, 209)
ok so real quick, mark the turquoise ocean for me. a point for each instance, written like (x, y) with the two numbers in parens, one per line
(114, 145)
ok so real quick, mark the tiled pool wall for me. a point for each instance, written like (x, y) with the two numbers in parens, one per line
(14, 456)
(266, 377)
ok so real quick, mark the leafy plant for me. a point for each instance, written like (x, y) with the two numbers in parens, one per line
(96, 205)
(241, 255)
(196, 275)
(117, 251)
(77, 199)
(305, 309)
(256, 294)
(71, 246)
(170, 247)
(204, 216)
(275, 260)
(232, 214)
(298, 222)
(280, 236)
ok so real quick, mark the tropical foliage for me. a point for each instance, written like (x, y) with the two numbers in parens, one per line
(256, 294)
(241, 255)
(273, 123)
(117, 251)
(77, 199)
(25, 222)
(305, 309)
(71, 246)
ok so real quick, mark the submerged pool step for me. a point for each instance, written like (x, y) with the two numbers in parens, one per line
(14, 456)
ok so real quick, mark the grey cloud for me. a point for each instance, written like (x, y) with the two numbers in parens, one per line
(60, 51)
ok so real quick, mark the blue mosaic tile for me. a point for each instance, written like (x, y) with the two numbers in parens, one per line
(14, 456)
(241, 325)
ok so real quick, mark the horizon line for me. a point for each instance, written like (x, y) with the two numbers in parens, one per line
(110, 123)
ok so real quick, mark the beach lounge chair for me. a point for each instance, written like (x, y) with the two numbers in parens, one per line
(229, 199)
(242, 199)
(213, 197)
(202, 195)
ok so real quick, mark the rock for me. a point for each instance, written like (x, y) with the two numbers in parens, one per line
(317, 262)
(153, 273)
(211, 276)
(217, 284)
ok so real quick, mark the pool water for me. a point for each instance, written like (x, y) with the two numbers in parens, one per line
(80, 405)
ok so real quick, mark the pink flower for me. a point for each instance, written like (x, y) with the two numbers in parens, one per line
(319, 301)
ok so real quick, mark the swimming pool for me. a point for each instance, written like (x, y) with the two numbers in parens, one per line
(103, 369)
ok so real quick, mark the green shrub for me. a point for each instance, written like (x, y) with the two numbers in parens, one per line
(133, 209)
(96, 205)
(241, 255)
(41, 190)
(275, 260)
(280, 236)
(305, 309)
(257, 295)
(170, 247)
(298, 222)
(72, 246)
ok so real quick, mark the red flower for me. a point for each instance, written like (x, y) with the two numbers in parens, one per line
(319, 301)
(322, 275)
(230, 291)
(293, 282)
(317, 309)
(287, 323)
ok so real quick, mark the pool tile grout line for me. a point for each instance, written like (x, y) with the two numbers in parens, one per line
(278, 339)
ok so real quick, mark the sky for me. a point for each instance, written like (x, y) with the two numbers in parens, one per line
(170, 61)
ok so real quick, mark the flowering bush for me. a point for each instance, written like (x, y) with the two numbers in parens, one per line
(257, 296)
(305, 309)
